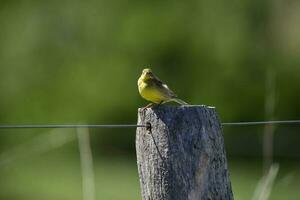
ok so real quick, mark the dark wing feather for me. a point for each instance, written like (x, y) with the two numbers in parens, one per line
(163, 87)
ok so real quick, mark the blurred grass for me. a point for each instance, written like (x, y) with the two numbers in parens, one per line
(52, 177)
(56, 175)
(245, 175)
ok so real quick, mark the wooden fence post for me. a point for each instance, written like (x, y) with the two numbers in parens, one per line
(182, 155)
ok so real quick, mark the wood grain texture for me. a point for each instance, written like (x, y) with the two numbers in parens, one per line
(182, 157)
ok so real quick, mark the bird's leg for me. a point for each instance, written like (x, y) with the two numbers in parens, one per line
(152, 105)
(148, 106)
(157, 104)
(161, 102)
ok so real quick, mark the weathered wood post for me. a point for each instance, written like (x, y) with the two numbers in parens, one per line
(182, 156)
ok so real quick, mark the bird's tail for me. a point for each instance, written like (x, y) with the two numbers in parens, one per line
(177, 100)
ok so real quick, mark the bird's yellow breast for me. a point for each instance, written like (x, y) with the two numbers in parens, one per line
(149, 92)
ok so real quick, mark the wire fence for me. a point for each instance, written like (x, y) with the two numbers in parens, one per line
(54, 139)
(242, 123)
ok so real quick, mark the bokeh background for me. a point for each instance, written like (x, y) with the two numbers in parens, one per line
(70, 62)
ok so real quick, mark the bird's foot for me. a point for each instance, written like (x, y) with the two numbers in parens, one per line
(150, 105)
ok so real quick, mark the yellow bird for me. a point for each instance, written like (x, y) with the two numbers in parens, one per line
(153, 89)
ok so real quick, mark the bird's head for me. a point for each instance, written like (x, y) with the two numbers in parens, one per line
(147, 74)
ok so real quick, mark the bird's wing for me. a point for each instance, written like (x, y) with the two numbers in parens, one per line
(163, 87)
(155, 78)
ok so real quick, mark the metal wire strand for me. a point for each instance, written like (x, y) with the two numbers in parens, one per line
(261, 122)
(250, 123)
(72, 126)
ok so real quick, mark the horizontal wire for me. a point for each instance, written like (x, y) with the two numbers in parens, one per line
(261, 122)
(137, 125)
(73, 126)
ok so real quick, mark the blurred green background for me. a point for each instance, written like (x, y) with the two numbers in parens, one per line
(69, 62)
